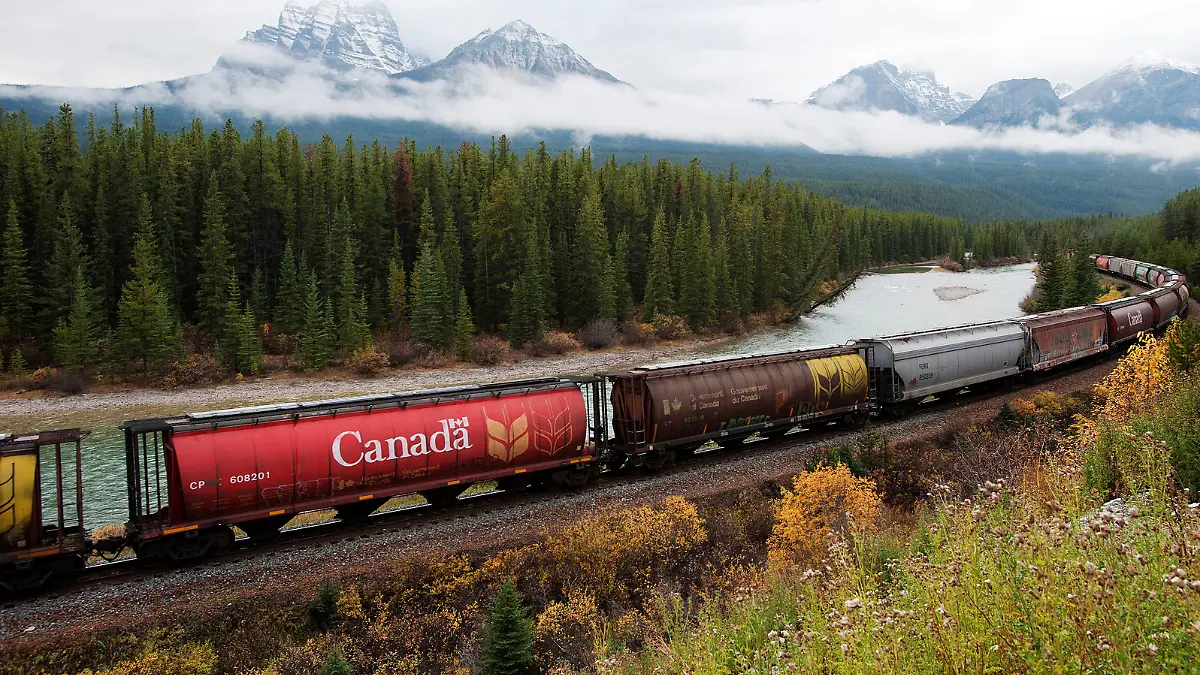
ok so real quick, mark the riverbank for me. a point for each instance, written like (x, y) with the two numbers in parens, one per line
(287, 386)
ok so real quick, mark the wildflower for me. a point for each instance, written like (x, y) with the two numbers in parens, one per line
(853, 604)
(1151, 649)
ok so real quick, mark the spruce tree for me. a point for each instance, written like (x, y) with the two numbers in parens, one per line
(431, 301)
(16, 363)
(1054, 277)
(238, 347)
(508, 636)
(697, 290)
(68, 257)
(216, 263)
(258, 297)
(660, 293)
(592, 268)
(525, 312)
(15, 289)
(75, 336)
(316, 336)
(498, 249)
(147, 334)
(622, 291)
(397, 299)
(351, 313)
(464, 328)
(289, 298)
(1085, 288)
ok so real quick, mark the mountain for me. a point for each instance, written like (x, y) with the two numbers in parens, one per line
(883, 86)
(341, 34)
(1146, 88)
(515, 47)
(1013, 103)
(1062, 89)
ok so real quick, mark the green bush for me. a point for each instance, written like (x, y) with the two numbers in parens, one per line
(323, 609)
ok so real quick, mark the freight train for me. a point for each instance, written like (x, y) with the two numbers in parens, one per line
(192, 479)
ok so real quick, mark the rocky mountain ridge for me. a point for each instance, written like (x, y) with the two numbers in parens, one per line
(884, 86)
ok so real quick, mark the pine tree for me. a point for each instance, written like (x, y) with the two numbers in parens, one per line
(1054, 277)
(431, 301)
(525, 318)
(317, 335)
(352, 327)
(15, 289)
(508, 636)
(697, 290)
(258, 297)
(397, 296)
(147, 334)
(289, 298)
(622, 290)
(238, 347)
(16, 364)
(75, 336)
(464, 329)
(660, 293)
(69, 257)
(216, 263)
(1085, 288)
(592, 267)
(498, 250)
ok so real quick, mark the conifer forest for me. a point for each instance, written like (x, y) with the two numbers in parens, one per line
(127, 248)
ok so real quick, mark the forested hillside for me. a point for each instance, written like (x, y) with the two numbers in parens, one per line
(143, 246)
(976, 186)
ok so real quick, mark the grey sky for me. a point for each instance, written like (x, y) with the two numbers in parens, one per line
(778, 49)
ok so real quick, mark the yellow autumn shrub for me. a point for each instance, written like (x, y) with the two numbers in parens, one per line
(614, 552)
(567, 631)
(1132, 388)
(823, 505)
(187, 659)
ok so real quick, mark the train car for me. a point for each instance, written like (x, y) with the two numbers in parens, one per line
(1102, 262)
(1166, 305)
(194, 477)
(1141, 271)
(1185, 297)
(41, 516)
(1125, 268)
(1127, 319)
(658, 410)
(914, 366)
(1155, 276)
(1058, 338)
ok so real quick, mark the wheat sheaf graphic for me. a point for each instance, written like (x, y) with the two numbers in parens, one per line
(552, 430)
(507, 438)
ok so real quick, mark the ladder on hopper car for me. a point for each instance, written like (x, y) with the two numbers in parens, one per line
(633, 430)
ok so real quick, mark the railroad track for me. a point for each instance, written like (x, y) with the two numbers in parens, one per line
(314, 535)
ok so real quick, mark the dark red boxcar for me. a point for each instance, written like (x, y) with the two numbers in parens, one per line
(1060, 337)
(685, 404)
(1102, 262)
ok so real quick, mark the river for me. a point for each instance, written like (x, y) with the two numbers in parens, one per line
(877, 304)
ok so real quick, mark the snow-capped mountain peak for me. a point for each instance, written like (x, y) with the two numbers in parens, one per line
(1147, 61)
(884, 86)
(342, 34)
(517, 47)
(1062, 89)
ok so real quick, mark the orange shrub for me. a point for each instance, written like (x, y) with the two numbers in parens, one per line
(824, 504)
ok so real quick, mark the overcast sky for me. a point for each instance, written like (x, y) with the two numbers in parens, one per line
(775, 49)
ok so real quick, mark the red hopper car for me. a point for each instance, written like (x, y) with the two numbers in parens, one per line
(194, 477)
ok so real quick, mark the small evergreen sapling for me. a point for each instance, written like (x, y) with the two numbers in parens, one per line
(508, 639)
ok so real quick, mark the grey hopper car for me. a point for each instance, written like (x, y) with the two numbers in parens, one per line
(912, 367)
